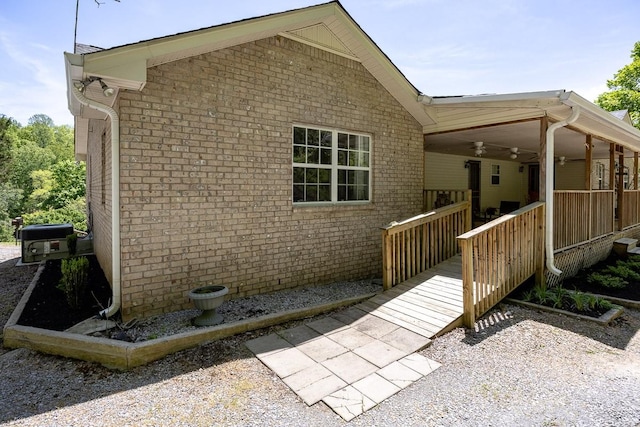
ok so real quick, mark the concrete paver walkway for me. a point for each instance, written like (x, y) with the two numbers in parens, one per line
(351, 360)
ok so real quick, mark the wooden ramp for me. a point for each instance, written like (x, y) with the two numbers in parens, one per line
(428, 304)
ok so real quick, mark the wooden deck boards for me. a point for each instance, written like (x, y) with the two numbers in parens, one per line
(426, 304)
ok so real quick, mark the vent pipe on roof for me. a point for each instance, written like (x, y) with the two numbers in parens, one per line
(115, 194)
(549, 155)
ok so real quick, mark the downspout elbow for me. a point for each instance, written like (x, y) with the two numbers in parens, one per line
(550, 261)
(115, 191)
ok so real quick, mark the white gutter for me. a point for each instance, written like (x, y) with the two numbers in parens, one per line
(548, 185)
(115, 202)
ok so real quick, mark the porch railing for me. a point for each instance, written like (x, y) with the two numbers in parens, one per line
(631, 208)
(581, 216)
(416, 244)
(430, 197)
(499, 256)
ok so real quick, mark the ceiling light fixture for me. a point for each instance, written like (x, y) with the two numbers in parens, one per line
(514, 153)
(562, 160)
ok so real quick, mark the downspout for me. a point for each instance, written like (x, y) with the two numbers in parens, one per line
(548, 185)
(115, 202)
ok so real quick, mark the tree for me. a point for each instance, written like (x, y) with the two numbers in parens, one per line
(28, 157)
(5, 146)
(624, 88)
(42, 129)
(68, 184)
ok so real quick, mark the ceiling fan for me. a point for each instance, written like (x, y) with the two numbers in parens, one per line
(479, 148)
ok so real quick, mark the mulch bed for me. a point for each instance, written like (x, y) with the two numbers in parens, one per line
(579, 282)
(47, 307)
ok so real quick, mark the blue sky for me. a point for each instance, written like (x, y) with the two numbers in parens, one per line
(444, 47)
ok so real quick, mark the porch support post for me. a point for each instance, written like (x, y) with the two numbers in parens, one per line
(540, 277)
(612, 166)
(622, 220)
(612, 180)
(588, 164)
(635, 170)
(544, 124)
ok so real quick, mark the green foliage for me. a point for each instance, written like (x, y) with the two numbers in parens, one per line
(73, 212)
(624, 88)
(75, 273)
(6, 124)
(604, 304)
(42, 181)
(10, 198)
(607, 281)
(541, 295)
(557, 297)
(72, 243)
(580, 301)
(68, 183)
(39, 177)
(563, 299)
(622, 270)
(28, 157)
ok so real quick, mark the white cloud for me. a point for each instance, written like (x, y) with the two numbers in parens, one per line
(39, 86)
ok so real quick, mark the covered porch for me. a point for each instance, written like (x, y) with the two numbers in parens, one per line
(564, 171)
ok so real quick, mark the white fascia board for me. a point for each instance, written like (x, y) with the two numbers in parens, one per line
(602, 116)
(73, 72)
(495, 98)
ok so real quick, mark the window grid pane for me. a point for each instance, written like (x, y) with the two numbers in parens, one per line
(313, 160)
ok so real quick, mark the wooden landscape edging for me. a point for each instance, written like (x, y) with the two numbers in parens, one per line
(124, 355)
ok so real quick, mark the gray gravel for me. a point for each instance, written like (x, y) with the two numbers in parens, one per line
(518, 367)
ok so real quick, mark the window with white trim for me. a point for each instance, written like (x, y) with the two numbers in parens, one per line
(495, 174)
(330, 166)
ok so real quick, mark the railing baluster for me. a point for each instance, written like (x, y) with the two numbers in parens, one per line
(417, 244)
(500, 255)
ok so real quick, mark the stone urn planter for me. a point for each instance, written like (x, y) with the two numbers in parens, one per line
(208, 298)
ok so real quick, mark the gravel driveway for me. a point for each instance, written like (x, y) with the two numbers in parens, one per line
(518, 367)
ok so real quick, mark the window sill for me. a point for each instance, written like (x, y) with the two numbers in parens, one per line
(333, 207)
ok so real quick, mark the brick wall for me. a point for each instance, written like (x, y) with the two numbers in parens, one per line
(206, 174)
(99, 191)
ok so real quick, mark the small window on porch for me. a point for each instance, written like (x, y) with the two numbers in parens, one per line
(600, 176)
(495, 174)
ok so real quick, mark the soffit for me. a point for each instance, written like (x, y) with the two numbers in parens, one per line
(513, 121)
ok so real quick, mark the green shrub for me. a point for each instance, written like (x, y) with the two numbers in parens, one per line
(607, 281)
(541, 294)
(73, 213)
(75, 273)
(622, 270)
(557, 297)
(604, 304)
(528, 295)
(580, 301)
(633, 263)
(72, 244)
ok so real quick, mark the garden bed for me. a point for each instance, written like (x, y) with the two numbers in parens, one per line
(47, 306)
(615, 278)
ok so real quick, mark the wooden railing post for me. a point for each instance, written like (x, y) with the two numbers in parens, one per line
(506, 251)
(387, 262)
(416, 244)
(468, 304)
(540, 229)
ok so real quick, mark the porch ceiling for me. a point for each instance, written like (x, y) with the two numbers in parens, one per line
(525, 135)
(509, 121)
